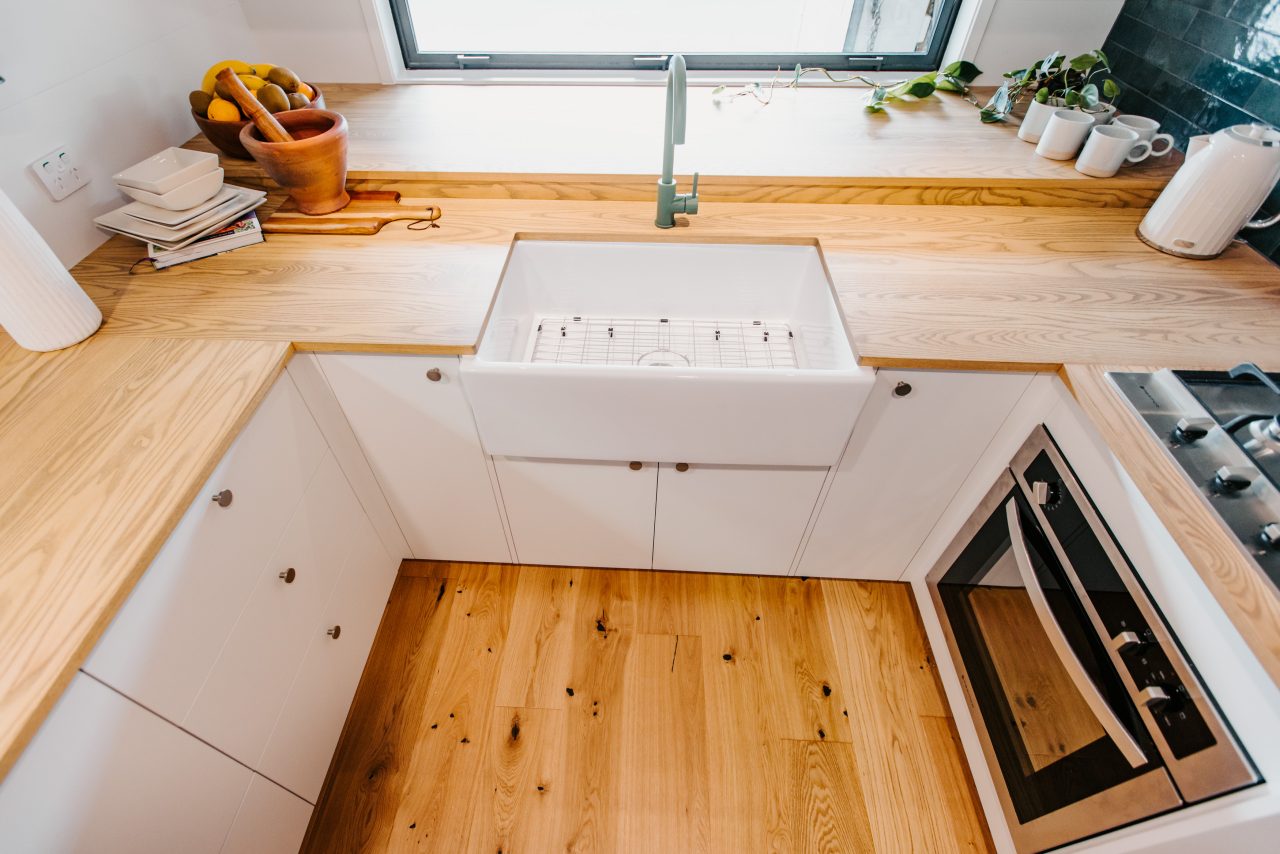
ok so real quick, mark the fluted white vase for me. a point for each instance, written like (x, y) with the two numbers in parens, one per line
(41, 306)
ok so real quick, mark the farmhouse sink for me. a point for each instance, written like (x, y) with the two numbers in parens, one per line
(730, 353)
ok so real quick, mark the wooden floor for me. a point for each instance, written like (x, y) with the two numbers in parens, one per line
(537, 709)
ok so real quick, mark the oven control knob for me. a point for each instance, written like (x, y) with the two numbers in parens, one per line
(1230, 479)
(1154, 697)
(1046, 494)
(1190, 430)
(1270, 535)
(1126, 641)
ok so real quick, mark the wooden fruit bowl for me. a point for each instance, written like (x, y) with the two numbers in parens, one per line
(226, 135)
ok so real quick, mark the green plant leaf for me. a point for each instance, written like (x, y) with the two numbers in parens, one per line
(921, 87)
(949, 84)
(1018, 72)
(719, 90)
(1042, 95)
(989, 116)
(1050, 63)
(1071, 97)
(1103, 57)
(1089, 95)
(963, 71)
(1084, 62)
(1109, 89)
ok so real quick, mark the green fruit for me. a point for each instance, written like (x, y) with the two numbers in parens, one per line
(220, 89)
(298, 101)
(200, 102)
(284, 78)
(273, 98)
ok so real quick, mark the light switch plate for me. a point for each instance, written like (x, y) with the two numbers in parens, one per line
(59, 173)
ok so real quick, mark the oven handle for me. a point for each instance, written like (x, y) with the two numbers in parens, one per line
(1089, 691)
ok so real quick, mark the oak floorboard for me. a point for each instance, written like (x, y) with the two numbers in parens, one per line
(370, 768)
(658, 740)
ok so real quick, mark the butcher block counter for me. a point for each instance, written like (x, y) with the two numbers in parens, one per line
(106, 443)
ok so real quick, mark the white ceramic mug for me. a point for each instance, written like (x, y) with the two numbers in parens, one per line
(1064, 134)
(1110, 147)
(1037, 116)
(1146, 129)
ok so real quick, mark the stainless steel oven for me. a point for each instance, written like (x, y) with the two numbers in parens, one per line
(1090, 716)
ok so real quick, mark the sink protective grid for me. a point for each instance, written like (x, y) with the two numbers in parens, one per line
(664, 342)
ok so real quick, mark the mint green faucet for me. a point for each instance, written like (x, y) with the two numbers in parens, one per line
(670, 202)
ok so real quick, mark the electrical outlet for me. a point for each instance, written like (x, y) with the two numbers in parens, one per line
(59, 173)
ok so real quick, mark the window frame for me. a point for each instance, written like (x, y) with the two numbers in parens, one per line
(415, 60)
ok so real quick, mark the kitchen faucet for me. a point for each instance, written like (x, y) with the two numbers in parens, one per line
(669, 201)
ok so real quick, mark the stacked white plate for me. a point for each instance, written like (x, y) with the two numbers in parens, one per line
(174, 229)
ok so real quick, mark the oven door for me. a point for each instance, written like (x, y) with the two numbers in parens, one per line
(1069, 754)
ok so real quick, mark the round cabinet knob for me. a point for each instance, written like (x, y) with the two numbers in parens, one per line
(1230, 479)
(289, 575)
(1190, 430)
(434, 375)
(635, 465)
(1270, 535)
(334, 632)
(223, 498)
(902, 389)
(682, 466)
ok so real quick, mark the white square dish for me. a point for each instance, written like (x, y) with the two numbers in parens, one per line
(167, 170)
(175, 219)
(183, 197)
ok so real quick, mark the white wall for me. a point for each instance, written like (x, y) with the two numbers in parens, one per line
(1010, 34)
(322, 40)
(110, 82)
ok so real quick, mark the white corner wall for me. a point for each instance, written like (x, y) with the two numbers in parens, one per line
(322, 40)
(109, 79)
(1002, 35)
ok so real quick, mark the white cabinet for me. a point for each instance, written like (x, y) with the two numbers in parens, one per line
(307, 729)
(165, 640)
(579, 513)
(908, 455)
(239, 702)
(271, 821)
(105, 776)
(416, 428)
(732, 518)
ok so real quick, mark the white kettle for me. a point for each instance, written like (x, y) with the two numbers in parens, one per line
(1225, 179)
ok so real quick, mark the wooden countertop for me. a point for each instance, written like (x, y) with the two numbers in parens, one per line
(105, 443)
(815, 144)
(922, 286)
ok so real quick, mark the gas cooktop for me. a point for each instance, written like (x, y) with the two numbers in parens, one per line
(1223, 429)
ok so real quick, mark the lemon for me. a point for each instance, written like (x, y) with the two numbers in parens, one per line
(223, 111)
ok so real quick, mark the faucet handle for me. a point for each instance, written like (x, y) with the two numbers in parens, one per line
(690, 199)
(693, 193)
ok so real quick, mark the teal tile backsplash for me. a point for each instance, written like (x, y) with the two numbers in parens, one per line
(1197, 66)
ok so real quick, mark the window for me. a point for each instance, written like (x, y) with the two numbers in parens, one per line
(712, 34)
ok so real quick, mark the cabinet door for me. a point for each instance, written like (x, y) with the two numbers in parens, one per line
(302, 742)
(162, 644)
(908, 455)
(105, 776)
(579, 513)
(271, 821)
(732, 518)
(420, 439)
(238, 704)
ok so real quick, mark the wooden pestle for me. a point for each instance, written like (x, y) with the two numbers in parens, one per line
(272, 130)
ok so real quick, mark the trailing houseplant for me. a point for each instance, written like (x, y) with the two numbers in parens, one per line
(956, 77)
(1055, 77)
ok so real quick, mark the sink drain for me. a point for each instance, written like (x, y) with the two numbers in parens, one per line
(663, 359)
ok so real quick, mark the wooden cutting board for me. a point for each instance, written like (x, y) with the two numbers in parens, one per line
(368, 212)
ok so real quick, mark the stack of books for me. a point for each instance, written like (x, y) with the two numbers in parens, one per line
(243, 232)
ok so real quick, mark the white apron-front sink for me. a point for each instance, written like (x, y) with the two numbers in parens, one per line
(728, 353)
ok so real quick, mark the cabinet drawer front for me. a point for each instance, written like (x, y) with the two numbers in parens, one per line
(569, 513)
(105, 776)
(271, 821)
(166, 638)
(416, 428)
(732, 518)
(239, 703)
(302, 742)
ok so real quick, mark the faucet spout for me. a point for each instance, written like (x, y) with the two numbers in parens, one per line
(669, 201)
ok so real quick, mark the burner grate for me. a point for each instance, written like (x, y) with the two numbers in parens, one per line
(664, 342)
